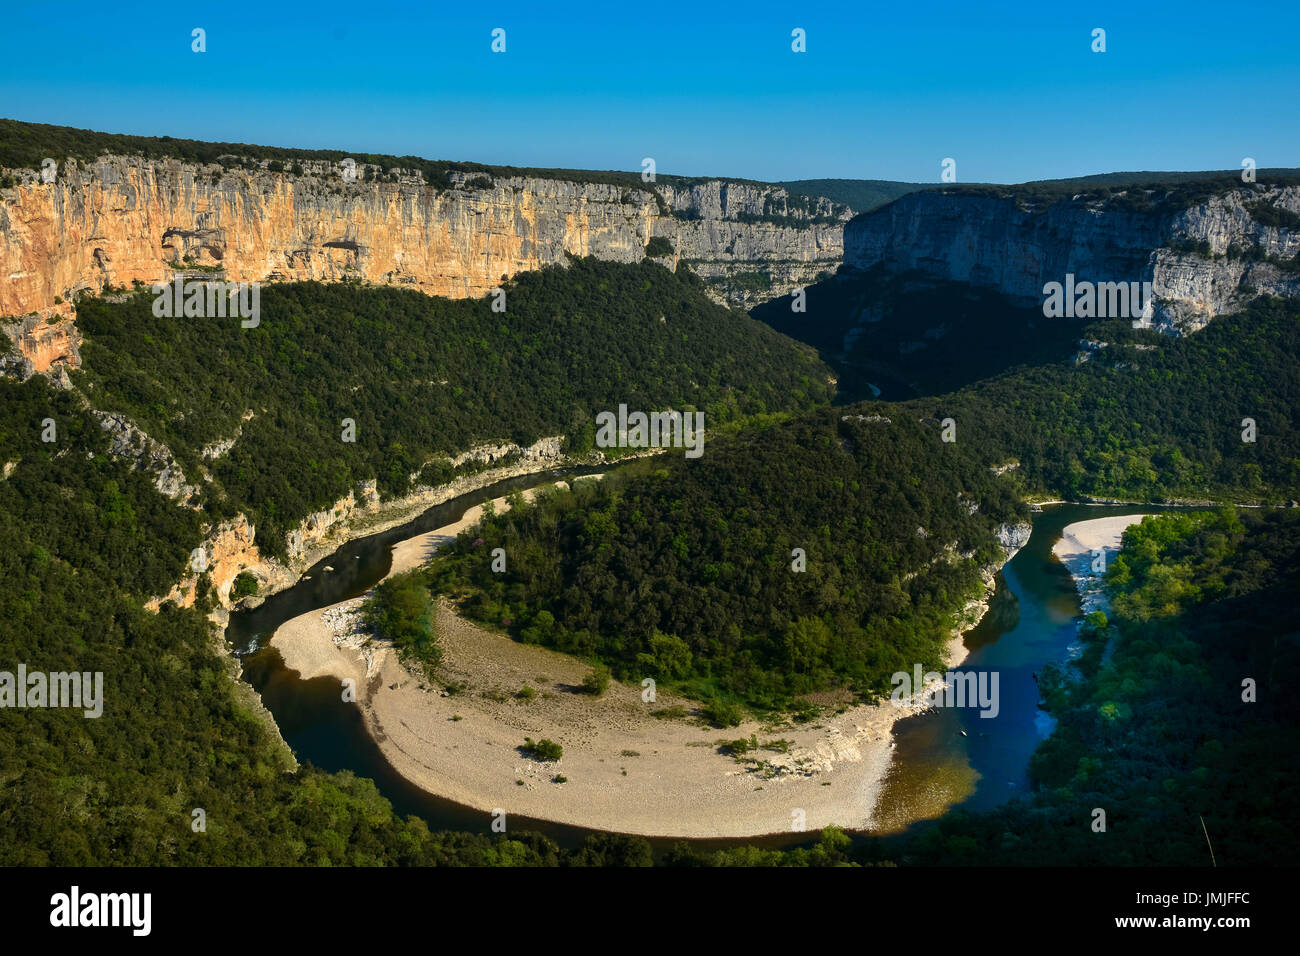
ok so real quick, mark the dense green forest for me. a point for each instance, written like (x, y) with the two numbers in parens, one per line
(423, 377)
(1149, 417)
(911, 335)
(401, 612)
(1156, 732)
(1152, 726)
(684, 570)
(1087, 409)
(82, 540)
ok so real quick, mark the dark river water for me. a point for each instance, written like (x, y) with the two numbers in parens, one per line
(1032, 621)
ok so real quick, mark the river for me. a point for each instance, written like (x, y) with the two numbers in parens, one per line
(1032, 621)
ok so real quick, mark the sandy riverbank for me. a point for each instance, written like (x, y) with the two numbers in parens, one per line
(626, 769)
(1077, 547)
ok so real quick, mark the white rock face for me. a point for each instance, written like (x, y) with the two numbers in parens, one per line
(130, 443)
(1013, 537)
(1206, 260)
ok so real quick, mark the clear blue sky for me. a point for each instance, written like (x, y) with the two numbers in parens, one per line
(1012, 91)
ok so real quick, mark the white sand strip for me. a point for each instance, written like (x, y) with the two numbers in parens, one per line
(1078, 551)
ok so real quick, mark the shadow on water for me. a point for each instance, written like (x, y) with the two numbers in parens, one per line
(360, 564)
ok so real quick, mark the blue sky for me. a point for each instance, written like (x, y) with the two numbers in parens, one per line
(1012, 91)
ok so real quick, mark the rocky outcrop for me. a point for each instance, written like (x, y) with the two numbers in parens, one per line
(129, 442)
(228, 550)
(125, 219)
(329, 528)
(1203, 260)
(48, 343)
(1013, 536)
(317, 525)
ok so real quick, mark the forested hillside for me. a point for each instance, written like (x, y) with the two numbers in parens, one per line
(910, 336)
(422, 377)
(1148, 417)
(1086, 409)
(82, 539)
(683, 570)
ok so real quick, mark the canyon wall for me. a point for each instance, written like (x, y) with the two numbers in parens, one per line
(1204, 260)
(125, 219)
(229, 548)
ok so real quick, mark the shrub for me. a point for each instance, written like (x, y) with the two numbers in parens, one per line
(803, 711)
(597, 680)
(245, 585)
(541, 749)
(675, 712)
(721, 713)
(741, 745)
(658, 247)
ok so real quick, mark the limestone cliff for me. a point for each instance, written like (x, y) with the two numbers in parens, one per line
(1203, 260)
(123, 219)
(48, 344)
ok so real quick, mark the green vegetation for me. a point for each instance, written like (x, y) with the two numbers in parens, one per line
(871, 505)
(597, 680)
(1147, 417)
(423, 378)
(722, 713)
(756, 281)
(672, 568)
(83, 539)
(401, 612)
(245, 585)
(1160, 734)
(546, 750)
(188, 265)
(1148, 425)
(1269, 214)
(675, 712)
(741, 745)
(658, 247)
